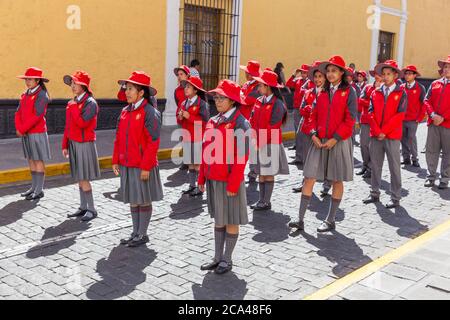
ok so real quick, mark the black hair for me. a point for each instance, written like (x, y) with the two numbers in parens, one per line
(195, 63)
(344, 82)
(277, 93)
(145, 89)
(278, 67)
(43, 86)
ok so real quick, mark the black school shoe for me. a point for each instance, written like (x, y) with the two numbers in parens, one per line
(210, 266)
(297, 190)
(367, 174)
(80, 212)
(361, 172)
(292, 148)
(223, 267)
(35, 196)
(299, 225)
(324, 192)
(429, 183)
(371, 199)
(138, 241)
(443, 186)
(326, 227)
(263, 206)
(183, 167)
(196, 192)
(89, 215)
(392, 204)
(295, 163)
(27, 193)
(416, 164)
(406, 162)
(125, 242)
(188, 191)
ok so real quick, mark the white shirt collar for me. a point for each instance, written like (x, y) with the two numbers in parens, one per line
(252, 81)
(411, 85)
(138, 104)
(229, 113)
(391, 88)
(268, 98)
(192, 100)
(336, 87)
(31, 91)
(81, 96)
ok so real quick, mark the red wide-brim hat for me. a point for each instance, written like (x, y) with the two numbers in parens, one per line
(33, 73)
(388, 64)
(253, 68)
(411, 68)
(141, 79)
(442, 63)
(79, 77)
(196, 82)
(337, 61)
(313, 69)
(229, 89)
(269, 78)
(182, 68)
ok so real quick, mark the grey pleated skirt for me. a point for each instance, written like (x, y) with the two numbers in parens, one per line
(83, 160)
(192, 152)
(36, 147)
(332, 165)
(223, 209)
(272, 160)
(138, 192)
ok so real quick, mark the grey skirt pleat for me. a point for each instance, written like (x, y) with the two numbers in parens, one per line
(272, 160)
(192, 152)
(226, 210)
(83, 160)
(333, 165)
(138, 192)
(36, 147)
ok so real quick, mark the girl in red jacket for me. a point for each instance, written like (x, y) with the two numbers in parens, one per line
(135, 156)
(437, 103)
(79, 141)
(31, 126)
(330, 156)
(363, 110)
(225, 155)
(182, 73)
(192, 117)
(386, 114)
(415, 113)
(269, 115)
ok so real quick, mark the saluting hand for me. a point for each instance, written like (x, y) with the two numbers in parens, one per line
(317, 142)
(116, 169)
(145, 175)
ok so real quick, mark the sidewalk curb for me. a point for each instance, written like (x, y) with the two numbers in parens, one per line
(59, 169)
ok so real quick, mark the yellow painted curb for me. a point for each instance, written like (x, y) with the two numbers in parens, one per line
(51, 170)
(374, 266)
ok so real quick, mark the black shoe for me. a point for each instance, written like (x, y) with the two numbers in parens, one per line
(125, 242)
(392, 204)
(429, 183)
(209, 266)
(35, 196)
(326, 227)
(183, 167)
(299, 225)
(89, 215)
(361, 172)
(292, 148)
(253, 206)
(295, 163)
(223, 267)
(324, 193)
(406, 162)
(297, 190)
(263, 207)
(371, 199)
(26, 194)
(188, 191)
(443, 186)
(196, 193)
(79, 213)
(138, 241)
(251, 180)
(424, 151)
(416, 164)
(367, 175)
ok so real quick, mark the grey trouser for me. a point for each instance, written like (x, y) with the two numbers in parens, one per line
(364, 144)
(409, 140)
(390, 148)
(438, 140)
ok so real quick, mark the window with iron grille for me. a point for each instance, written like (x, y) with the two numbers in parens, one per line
(385, 46)
(209, 33)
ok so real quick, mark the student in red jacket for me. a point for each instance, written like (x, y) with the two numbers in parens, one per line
(31, 127)
(79, 141)
(361, 77)
(296, 83)
(182, 73)
(269, 116)
(250, 94)
(356, 129)
(437, 104)
(330, 156)
(135, 156)
(415, 113)
(386, 112)
(192, 117)
(225, 155)
(363, 110)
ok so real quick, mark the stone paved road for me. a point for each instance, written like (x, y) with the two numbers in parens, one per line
(45, 256)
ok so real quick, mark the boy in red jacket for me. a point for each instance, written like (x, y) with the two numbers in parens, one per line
(437, 103)
(386, 112)
(182, 73)
(415, 113)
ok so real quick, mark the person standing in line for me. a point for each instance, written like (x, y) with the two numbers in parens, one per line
(182, 73)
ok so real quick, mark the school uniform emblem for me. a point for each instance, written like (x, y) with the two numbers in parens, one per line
(397, 97)
(344, 94)
(415, 91)
(194, 108)
(228, 126)
(80, 106)
(138, 116)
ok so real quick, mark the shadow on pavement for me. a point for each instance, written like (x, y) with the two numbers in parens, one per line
(220, 287)
(14, 211)
(272, 226)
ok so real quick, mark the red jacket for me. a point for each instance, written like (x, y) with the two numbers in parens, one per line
(179, 97)
(267, 120)
(138, 137)
(30, 115)
(297, 85)
(194, 127)
(387, 116)
(438, 102)
(364, 103)
(416, 97)
(229, 165)
(334, 118)
(81, 121)
(306, 111)
(251, 93)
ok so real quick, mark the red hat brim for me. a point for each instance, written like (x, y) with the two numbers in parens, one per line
(244, 68)
(260, 80)
(153, 91)
(379, 69)
(175, 70)
(312, 71)
(191, 83)
(415, 71)
(324, 65)
(220, 92)
(68, 81)
(23, 77)
(442, 63)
